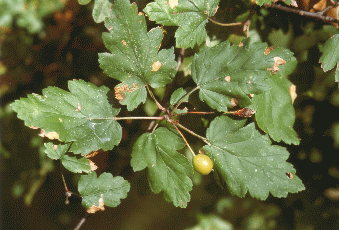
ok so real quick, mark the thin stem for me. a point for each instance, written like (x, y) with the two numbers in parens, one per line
(203, 113)
(225, 24)
(204, 139)
(156, 101)
(184, 139)
(182, 99)
(318, 15)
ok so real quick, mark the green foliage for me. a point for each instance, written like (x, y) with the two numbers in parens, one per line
(82, 116)
(248, 161)
(330, 56)
(102, 190)
(101, 10)
(168, 170)
(249, 75)
(190, 16)
(134, 52)
(71, 163)
(224, 72)
(275, 112)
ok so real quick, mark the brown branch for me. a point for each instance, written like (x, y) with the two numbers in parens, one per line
(318, 15)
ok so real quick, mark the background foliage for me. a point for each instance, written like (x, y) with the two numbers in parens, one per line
(61, 43)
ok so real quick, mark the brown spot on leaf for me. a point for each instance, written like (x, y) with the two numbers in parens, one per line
(268, 50)
(140, 13)
(228, 78)
(54, 147)
(290, 175)
(101, 207)
(119, 91)
(123, 42)
(33, 127)
(60, 119)
(234, 102)
(110, 28)
(156, 66)
(172, 3)
(49, 135)
(277, 61)
(77, 109)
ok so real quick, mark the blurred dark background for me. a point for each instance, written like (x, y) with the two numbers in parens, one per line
(65, 46)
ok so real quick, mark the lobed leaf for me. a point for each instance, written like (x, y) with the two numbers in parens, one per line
(82, 116)
(275, 112)
(224, 72)
(134, 59)
(248, 162)
(168, 170)
(106, 187)
(190, 15)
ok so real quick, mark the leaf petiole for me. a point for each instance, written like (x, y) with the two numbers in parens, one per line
(204, 139)
(225, 24)
(156, 101)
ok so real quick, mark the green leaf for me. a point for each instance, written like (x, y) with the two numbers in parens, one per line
(224, 72)
(275, 112)
(134, 59)
(110, 189)
(58, 153)
(190, 16)
(71, 163)
(177, 95)
(248, 162)
(261, 2)
(76, 165)
(82, 116)
(101, 10)
(330, 56)
(168, 170)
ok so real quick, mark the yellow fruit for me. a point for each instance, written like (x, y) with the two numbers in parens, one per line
(202, 164)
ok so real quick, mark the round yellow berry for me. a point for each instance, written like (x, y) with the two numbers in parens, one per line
(202, 164)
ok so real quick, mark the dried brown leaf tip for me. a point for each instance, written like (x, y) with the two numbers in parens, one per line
(119, 91)
(275, 68)
(268, 50)
(101, 207)
(156, 66)
(172, 3)
(49, 135)
(243, 113)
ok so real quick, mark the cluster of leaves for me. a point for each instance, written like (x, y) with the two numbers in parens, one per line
(249, 75)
